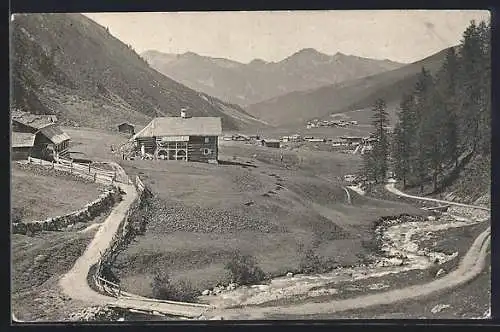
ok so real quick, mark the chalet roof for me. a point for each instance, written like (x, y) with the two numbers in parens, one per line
(33, 120)
(22, 140)
(177, 126)
(55, 134)
(125, 123)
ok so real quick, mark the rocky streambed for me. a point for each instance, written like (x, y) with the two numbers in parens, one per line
(400, 251)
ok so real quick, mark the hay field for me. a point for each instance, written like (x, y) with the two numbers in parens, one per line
(201, 213)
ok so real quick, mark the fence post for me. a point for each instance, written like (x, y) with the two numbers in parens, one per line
(89, 168)
(71, 167)
(53, 166)
(95, 176)
(40, 161)
(29, 159)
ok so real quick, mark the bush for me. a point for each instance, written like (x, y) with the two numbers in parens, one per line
(17, 214)
(164, 289)
(244, 270)
(310, 262)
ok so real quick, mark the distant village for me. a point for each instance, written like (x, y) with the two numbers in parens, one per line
(348, 144)
(330, 123)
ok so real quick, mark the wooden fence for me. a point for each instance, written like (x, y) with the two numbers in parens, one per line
(107, 256)
(88, 172)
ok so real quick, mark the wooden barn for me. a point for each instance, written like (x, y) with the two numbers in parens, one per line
(50, 141)
(126, 128)
(22, 145)
(181, 138)
(271, 143)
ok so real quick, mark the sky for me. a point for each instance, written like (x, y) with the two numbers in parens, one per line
(399, 35)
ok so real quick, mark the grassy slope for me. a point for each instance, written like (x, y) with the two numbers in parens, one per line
(81, 72)
(298, 107)
(199, 217)
(37, 264)
(94, 144)
(39, 261)
(41, 196)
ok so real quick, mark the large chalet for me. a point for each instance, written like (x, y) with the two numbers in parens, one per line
(180, 138)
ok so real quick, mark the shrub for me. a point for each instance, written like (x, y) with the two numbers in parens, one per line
(17, 215)
(164, 289)
(244, 270)
(310, 262)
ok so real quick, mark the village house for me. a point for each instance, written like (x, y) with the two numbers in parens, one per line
(180, 138)
(126, 128)
(50, 142)
(353, 140)
(22, 144)
(270, 143)
(316, 140)
(254, 137)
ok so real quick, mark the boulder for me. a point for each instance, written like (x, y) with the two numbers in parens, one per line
(40, 258)
(439, 307)
(205, 292)
(289, 274)
(440, 273)
(431, 218)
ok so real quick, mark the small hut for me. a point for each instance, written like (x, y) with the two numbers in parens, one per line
(271, 143)
(126, 128)
(22, 144)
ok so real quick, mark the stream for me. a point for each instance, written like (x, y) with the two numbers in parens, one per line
(400, 253)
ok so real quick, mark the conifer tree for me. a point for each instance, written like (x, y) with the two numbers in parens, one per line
(423, 105)
(446, 87)
(404, 135)
(469, 94)
(376, 161)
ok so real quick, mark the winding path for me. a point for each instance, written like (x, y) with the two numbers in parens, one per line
(75, 285)
(470, 266)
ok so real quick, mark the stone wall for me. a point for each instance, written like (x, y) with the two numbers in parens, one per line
(124, 235)
(91, 210)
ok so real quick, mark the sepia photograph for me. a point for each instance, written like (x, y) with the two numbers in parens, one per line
(250, 165)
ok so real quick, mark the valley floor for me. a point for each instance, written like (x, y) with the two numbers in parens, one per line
(202, 213)
(251, 202)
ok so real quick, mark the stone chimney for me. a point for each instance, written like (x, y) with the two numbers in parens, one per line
(183, 113)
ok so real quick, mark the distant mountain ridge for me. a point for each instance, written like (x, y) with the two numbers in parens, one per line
(259, 80)
(296, 108)
(68, 65)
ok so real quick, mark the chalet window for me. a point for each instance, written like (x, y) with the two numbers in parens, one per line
(206, 151)
(207, 139)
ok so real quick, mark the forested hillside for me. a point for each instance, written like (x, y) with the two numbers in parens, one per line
(443, 136)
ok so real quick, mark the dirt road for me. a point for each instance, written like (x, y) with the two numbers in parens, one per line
(470, 266)
(74, 283)
(390, 187)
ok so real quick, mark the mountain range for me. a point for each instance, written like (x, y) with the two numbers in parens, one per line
(296, 108)
(68, 65)
(259, 80)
